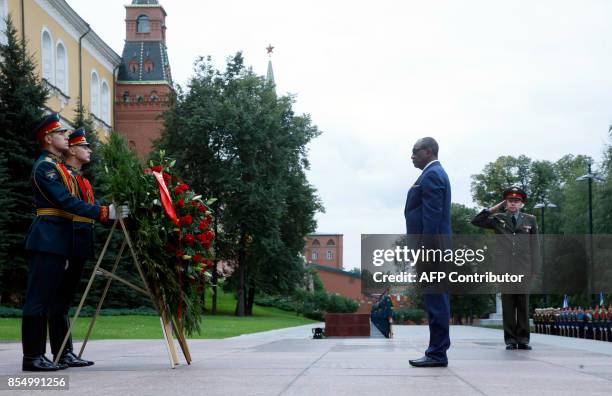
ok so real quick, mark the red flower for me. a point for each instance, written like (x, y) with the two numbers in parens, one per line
(167, 177)
(179, 253)
(184, 187)
(209, 235)
(181, 203)
(206, 244)
(204, 223)
(157, 168)
(186, 220)
(189, 239)
(178, 190)
(197, 258)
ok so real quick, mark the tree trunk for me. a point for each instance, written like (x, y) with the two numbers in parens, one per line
(250, 300)
(240, 304)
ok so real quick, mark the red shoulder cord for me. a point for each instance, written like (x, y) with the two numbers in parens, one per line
(86, 189)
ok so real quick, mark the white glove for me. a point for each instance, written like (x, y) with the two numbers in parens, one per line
(122, 212)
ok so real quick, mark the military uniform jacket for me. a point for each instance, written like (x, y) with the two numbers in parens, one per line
(58, 207)
(516, 247)
(83, 232)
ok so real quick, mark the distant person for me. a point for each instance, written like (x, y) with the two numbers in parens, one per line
(506, 218)
(427, 213)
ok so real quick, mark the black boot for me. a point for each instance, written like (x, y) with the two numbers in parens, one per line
(33, 340)
(43, 348)
(58, 328)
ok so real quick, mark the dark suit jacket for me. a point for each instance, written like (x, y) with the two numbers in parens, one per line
(428, 203)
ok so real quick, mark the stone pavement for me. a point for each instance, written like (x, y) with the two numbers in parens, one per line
(288, 362)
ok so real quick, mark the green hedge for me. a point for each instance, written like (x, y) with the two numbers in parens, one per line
(87, 311)
(415, 315)
(311, 305)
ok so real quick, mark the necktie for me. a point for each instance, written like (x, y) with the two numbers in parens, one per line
(514, 221)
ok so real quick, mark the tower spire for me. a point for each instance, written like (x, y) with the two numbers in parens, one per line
(270, 73)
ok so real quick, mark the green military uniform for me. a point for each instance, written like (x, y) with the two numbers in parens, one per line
(519, 251)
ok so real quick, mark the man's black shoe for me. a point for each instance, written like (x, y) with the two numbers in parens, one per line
(510, 347)
(427, 362)
(59, 365)
(37, 363)
(71, 360)
(525, 347)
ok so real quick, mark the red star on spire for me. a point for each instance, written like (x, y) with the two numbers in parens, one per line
(269, 49)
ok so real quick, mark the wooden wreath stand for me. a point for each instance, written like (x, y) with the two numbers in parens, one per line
(168, 324)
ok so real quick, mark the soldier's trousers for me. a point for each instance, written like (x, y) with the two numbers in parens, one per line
(46, 274)
(52, 283)
(515, 309)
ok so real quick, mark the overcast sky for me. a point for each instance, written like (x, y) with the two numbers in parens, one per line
(485, 78)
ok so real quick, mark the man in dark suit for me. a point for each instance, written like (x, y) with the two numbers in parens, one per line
(427, 213)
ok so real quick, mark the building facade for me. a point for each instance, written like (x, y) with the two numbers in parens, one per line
(324, 249)
(71, 58)
(144, 80)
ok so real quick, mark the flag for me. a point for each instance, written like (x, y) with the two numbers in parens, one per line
(601, 299)
(565, 301)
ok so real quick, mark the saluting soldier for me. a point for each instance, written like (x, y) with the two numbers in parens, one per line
(50, 238)
(506, 218)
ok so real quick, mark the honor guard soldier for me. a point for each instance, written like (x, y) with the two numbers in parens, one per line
(49, 241)
(78, 154)
(506, 218)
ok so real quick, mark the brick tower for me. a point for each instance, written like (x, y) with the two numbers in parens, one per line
(144, 80)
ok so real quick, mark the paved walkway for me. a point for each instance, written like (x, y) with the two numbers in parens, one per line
(288, 362)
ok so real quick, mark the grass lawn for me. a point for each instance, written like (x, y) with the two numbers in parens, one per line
(222, 325)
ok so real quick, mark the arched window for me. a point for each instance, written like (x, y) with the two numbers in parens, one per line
(61, 68)
(142, 24)
(3, 15)
(316, 243)
(148, 66)
(153, 96)
(105, 102)
(94, 103)
(331, 243)
(134, 66)
(47, 56)
(315, 255)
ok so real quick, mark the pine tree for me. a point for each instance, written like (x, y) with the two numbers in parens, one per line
(22, 99)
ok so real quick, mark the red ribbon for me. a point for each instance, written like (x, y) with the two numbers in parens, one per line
(165, 198)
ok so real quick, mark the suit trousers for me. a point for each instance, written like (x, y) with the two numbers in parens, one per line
(515, 309)
(438, 313)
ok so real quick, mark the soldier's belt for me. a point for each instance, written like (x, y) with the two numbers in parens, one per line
(64, 214)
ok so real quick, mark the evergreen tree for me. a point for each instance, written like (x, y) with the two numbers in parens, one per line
(22, 99)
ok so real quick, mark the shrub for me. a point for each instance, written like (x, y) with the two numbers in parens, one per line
(415, 315)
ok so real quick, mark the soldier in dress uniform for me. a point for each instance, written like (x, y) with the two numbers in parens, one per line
(49, 239)
(506, 218)
(78, 154)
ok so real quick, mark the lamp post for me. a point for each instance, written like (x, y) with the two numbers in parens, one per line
(590, 176)
(543, 205)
